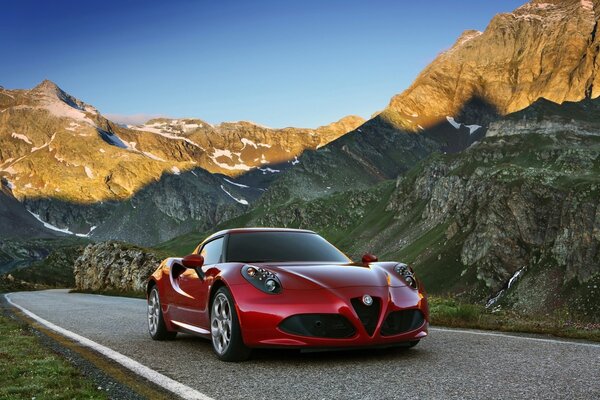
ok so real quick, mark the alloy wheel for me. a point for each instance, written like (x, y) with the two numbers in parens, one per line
(153, 312)
(221, 323)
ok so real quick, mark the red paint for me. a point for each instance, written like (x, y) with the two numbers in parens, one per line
(307, 288)
(193, 261)
(369, 258)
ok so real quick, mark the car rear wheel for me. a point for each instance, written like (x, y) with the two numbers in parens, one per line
(225, 328)
(156, 323)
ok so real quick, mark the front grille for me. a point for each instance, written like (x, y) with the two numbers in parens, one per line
(402, 321)
(332, 326)
(368, 315)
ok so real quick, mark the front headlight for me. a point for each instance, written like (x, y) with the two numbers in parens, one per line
(407, 274)
(262, 279)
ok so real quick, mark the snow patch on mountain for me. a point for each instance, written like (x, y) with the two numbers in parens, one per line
(152, 156)
(89, 172)
(453, 122)
(112, 138)
(235, 183)
(34, 149)
(61, 105)
(50, 226)
(152, 128)
(265, 170)
(228, 154)
(248, 142)
(72, 126)
(62, 230)
(515, 277)
(472, 128)
(241, 201)
(21, 137)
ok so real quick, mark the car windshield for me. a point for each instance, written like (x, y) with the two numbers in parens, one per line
(281, 247)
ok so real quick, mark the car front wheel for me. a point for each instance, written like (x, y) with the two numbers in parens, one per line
(225, 328)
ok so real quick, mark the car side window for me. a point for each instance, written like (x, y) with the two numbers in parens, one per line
(212, 251)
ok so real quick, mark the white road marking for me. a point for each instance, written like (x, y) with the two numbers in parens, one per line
(516, 337)
(167, 383)
(193, 328)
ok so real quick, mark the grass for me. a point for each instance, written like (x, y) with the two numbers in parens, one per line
(56, 270)
(28, 370)
(337, 224)
(451, 313)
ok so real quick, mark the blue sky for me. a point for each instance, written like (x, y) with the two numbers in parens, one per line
(280, 63)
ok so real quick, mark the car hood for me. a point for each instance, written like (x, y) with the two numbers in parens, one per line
(313, 276)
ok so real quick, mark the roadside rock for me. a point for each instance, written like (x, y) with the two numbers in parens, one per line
(114, 266)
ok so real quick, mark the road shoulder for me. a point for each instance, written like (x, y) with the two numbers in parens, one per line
(117, 381)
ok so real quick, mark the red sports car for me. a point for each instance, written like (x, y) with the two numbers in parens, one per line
(268, 287)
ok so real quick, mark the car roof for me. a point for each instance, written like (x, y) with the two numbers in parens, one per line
(257, 229)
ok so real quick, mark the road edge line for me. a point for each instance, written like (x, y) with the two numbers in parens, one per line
(505, 335)
(153, 376)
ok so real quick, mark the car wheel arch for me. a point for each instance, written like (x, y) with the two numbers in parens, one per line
(149, 286)
(213, 290)
(219, 283)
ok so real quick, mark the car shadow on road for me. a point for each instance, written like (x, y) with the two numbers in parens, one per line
(341, 356)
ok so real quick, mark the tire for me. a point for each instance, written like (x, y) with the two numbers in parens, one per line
(225, 330)
(156, 322)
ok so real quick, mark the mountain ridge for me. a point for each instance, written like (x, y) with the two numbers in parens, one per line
(511, 64)
(46, 125)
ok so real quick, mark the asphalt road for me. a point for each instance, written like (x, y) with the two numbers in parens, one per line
(447, 365)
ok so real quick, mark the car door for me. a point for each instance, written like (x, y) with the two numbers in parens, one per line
(193, 303)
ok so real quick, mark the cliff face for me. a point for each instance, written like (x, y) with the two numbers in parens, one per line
(517, 216)
(114, 266)
(544, 49)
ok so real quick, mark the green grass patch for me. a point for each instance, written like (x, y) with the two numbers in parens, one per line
(28, 370)
(449, 312)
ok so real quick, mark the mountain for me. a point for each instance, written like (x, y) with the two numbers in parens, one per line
(512, 221)
(544, 49)
(75, 169)
(54, 145)
(484, 174)
(17, 222)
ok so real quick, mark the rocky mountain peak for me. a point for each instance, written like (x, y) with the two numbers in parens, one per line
(48, 95)
(543, 49)
(346, 124)
(47, 86)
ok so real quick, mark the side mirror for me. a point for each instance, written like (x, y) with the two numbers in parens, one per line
(369, 258)
(193, 261)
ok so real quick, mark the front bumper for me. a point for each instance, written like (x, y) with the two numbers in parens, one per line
(261, 317)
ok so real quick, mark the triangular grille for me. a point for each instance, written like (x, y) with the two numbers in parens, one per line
(368, 314)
